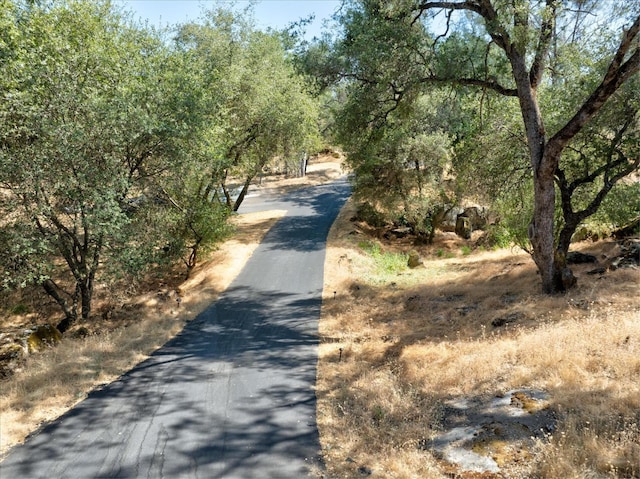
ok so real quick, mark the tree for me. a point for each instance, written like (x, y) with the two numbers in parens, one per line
(85, 124)
(261, 109)
(402, 172)
(506, 48)
(599, 158)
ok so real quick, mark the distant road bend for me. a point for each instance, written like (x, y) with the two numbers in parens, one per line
(232, 396)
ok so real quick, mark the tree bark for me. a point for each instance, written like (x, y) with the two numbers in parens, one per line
(70, 314)
(541, 230)
(543, 164)
(243, 193)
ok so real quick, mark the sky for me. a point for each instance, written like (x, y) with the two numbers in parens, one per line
(276, 14)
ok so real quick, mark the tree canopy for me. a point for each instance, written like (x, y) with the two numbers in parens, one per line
(560, 63)
(118, 141)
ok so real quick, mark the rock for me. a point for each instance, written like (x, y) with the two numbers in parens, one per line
(478, 216)
(365, 471)
(597, 271)
(490, 435)
(575, 257)
(463, 227)
(44, 336)
(10, 351)
(629, 255)
(414, 259)
(509, 318)
(527, 402)
(448, 217)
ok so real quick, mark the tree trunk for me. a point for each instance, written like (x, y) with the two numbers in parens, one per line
(70, 314)
(86, 293)
(243, 193)
(541, 231)
(543, 164)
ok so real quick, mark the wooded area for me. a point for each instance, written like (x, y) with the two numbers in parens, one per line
(123, 147)
(540, 96)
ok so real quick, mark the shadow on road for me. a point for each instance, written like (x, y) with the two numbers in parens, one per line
(231, 396)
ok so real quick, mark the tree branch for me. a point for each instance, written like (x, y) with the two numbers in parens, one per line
(482, 8)
(618, 72)
(487, 84)
(465, 5)
(544, 43)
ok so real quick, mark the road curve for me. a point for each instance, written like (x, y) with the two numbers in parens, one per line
(232, 395)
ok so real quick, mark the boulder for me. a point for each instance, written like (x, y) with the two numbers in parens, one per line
(447, 218)
(42, 337)
(463, 227)
(478, 216)
(414, 259)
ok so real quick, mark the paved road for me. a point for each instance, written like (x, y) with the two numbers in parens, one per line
(231, 396)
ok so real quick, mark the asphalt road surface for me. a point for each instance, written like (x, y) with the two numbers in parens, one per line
(233, 395)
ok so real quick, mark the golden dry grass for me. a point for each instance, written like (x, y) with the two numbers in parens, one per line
(396, 346)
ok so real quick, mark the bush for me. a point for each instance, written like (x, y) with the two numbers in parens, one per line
(367, 213)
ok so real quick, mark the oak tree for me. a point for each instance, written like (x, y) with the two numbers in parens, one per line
(391, 51)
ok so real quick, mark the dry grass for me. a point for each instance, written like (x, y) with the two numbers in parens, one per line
(51, 382)
(397, 345)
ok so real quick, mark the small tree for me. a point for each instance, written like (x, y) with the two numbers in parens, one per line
(85, 124)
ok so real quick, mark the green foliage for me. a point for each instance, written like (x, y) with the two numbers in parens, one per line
(498, 236)
(117, 147)
(91, 117)
(619, 209)
(386, 263)
(259, 108)
(543, 60)
(367, 213)
(403, 170)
